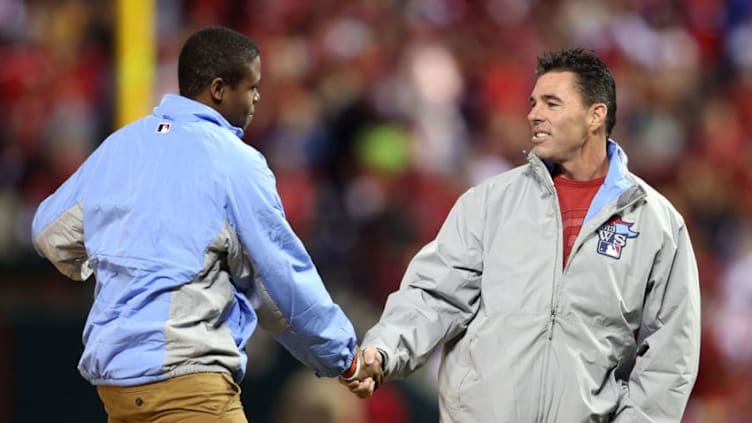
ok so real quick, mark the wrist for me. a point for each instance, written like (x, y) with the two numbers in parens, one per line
(352, 372)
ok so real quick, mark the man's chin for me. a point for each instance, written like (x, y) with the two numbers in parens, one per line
(542, 153)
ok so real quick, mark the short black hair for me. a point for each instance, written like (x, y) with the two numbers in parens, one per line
(212, 52)
(593, 77)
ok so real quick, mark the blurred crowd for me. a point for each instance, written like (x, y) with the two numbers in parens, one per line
(376, 114)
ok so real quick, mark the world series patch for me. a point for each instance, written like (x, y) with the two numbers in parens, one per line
(613, 236)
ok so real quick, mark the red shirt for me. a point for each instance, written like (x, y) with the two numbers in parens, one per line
(574, 202)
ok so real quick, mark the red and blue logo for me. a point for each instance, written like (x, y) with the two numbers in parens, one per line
(163, 128)
(613, 236)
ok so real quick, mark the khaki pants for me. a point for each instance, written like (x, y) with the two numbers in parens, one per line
(194, 398)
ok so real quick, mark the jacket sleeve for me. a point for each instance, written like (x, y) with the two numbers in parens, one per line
(57, 229)
(286, 283)
(439, 293)
(668, 344)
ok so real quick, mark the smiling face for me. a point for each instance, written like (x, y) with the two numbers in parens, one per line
(564, 130)
(237, 102)
(558, 118)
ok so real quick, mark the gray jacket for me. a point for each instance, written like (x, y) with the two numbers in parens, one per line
(612, 337)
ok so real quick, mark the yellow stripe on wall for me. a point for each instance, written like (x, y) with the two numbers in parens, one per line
(135, 59)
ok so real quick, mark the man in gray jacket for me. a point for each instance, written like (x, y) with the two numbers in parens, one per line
(565, 290)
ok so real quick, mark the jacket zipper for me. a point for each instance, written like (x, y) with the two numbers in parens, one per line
(556, 273)
(548, 183)
(553, 321)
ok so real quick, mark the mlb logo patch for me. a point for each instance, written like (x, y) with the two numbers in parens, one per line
(609, 249)
(163, 128)
(613, 236)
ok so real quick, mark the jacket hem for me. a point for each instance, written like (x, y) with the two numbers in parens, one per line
(179, 371)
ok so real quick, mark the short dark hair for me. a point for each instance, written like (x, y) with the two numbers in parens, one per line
(212, 52)
(593, 77)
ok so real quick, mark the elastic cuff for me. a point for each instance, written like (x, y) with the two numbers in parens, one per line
(384, 359)
(351, 373)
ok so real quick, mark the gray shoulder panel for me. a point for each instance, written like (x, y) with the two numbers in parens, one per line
(62, 242)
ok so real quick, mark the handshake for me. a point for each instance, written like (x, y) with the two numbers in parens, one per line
(366, 372)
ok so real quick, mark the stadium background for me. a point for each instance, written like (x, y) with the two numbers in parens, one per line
(375, 115)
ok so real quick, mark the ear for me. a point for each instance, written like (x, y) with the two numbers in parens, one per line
(217, 89)
(597, 116)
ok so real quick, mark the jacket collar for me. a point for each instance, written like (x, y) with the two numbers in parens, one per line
(176, 107)
(619, 183)
(617, 165)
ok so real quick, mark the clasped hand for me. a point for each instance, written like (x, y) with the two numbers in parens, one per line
(370, 375)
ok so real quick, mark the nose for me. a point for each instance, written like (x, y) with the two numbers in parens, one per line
(256, 97)
(533, 115)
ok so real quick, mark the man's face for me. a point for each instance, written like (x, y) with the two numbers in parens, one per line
(239, 101)
(558, 118)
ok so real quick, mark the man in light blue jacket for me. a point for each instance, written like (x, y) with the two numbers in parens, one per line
(180, 223)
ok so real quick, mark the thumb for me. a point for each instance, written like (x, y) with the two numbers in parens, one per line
(370, 355)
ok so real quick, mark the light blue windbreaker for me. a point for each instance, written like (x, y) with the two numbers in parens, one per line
(181, 225)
